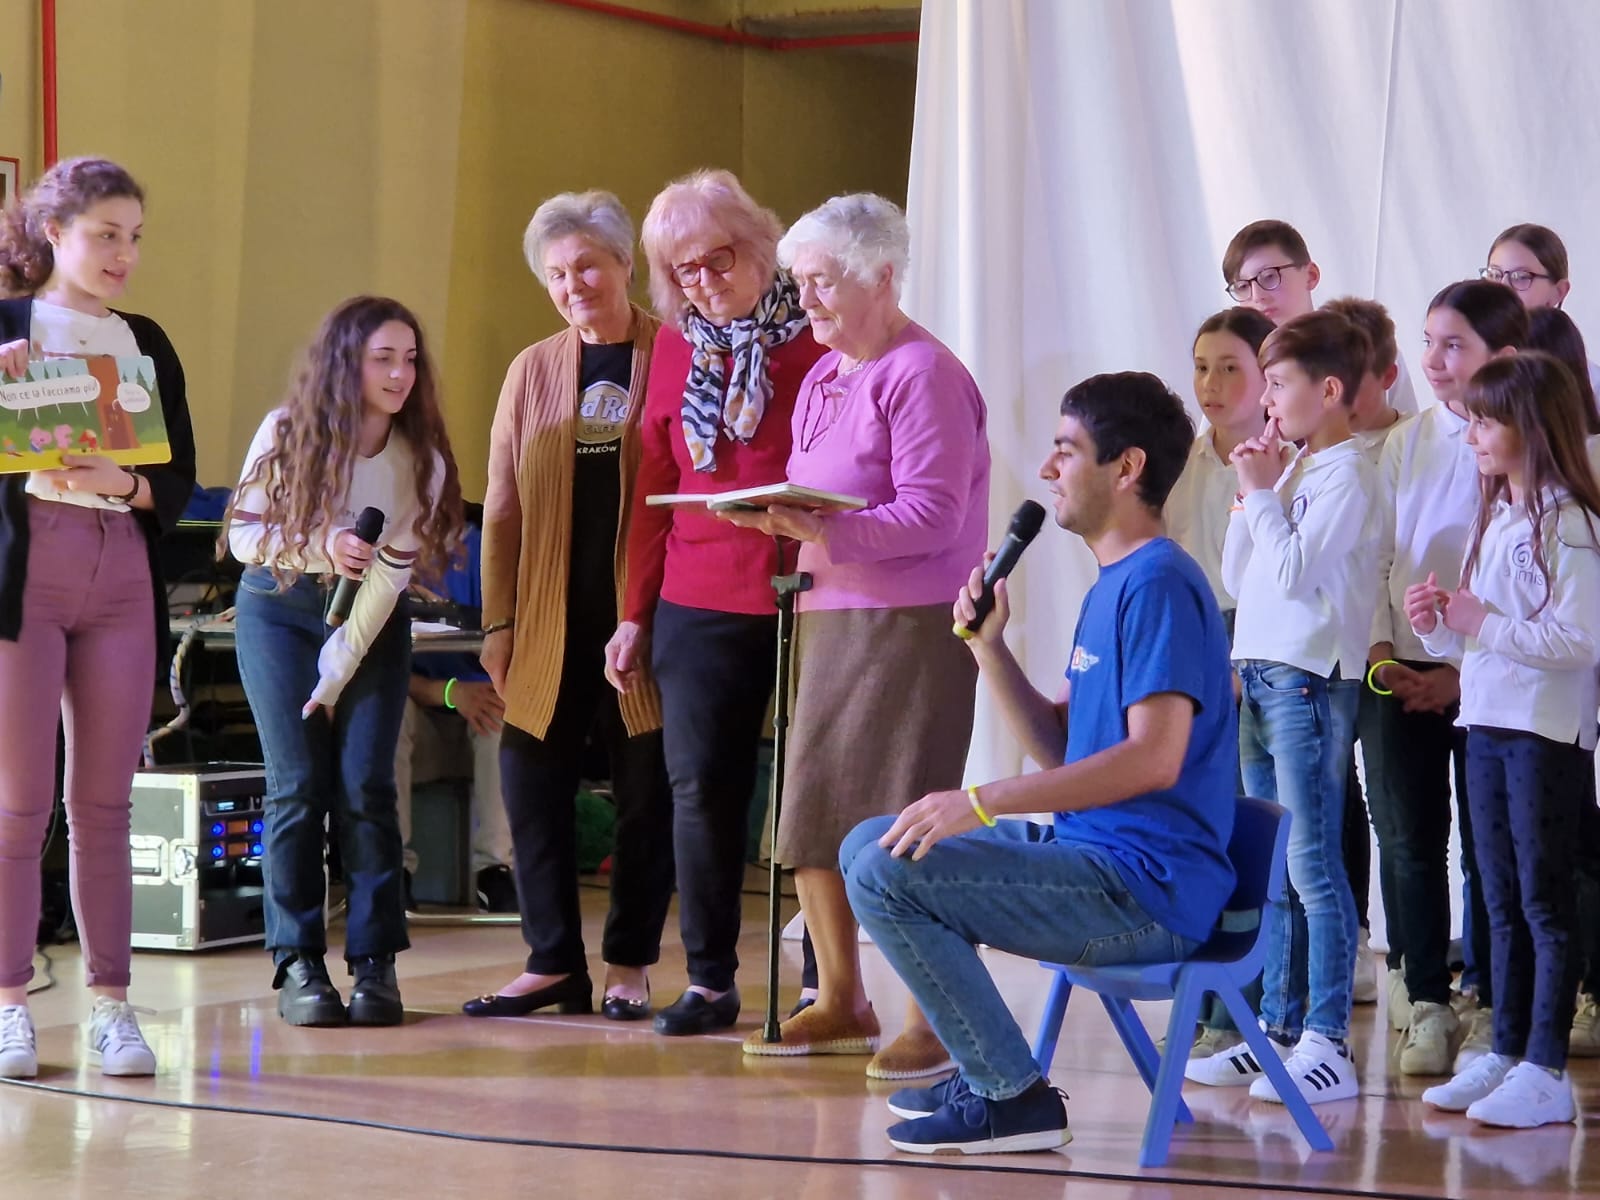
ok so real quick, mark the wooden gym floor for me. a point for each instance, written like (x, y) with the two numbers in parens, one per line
(619, 1112)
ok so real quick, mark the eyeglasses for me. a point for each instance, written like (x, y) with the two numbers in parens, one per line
(1267, 279)
(1519, 281)
(719, 262)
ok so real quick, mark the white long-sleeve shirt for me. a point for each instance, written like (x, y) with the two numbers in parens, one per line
(1300, 559)
(1530, 670)
(386, 481)
(1430, 486)
(1197, 510)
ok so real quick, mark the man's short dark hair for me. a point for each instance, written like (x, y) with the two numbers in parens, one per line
(1126, 409)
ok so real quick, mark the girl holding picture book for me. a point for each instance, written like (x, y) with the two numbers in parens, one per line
(82, 604)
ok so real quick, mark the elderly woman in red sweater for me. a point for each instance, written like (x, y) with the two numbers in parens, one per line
(699, 609)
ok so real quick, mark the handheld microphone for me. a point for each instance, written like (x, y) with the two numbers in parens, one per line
(369, 527)
(1025, 523)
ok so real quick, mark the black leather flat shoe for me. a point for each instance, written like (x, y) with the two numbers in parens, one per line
(691, 1013)
(375, 995)
(574, 994)
(621, 1008)
(306, 996)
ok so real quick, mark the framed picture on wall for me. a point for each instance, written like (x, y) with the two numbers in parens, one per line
(9, 174)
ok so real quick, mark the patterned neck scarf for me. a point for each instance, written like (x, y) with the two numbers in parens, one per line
(712, 405)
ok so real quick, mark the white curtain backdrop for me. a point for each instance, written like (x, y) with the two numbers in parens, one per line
(1078, 167)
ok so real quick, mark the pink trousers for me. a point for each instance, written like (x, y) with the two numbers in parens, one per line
(87, 655)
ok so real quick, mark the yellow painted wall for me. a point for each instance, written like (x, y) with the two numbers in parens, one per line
(19, 83)
(559, 100)
(293, 153)
(821, 122)
(296, 152)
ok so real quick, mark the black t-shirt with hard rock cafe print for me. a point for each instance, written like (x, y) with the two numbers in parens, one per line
(603, 378)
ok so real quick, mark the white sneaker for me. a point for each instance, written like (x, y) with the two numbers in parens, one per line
(1529, 1097)
(1210, 1042)
(1365, 990)
(1585, 1039)
(19, 1059)
(1431, 1042)
(1235, 1068)
(1479, 1039)
(1485, 1073)
(1320, 1069)
(1399, 1001)
(115, 1041)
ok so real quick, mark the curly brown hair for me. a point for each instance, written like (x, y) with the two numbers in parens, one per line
(307, 471)
(65, 191)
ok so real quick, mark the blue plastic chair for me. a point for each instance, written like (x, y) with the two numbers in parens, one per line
(1229, 960)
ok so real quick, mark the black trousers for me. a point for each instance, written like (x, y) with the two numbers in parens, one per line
(540, 777)
(1410, 801)
(1527, 795)
(716, 672)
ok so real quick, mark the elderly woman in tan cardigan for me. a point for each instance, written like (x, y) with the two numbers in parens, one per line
(563, 455)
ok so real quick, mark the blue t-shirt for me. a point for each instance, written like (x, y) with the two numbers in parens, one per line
(463, 585)
(1150, 624)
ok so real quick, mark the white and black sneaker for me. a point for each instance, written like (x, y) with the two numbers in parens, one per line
(1319, 1067)
(1234, 1068)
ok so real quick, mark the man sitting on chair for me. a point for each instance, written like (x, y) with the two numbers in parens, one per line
(1135, 867)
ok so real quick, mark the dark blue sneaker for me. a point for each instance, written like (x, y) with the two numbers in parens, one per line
(969, 1124)
(912, 1103)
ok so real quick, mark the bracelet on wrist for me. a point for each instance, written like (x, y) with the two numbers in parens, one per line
(977, 806)
(448, 688)
(498, 627)
(1372, 677)
(127, 496)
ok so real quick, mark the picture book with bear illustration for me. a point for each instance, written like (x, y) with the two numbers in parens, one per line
(95, 405)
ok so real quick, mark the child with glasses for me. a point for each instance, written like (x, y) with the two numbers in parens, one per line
(1532, 261)
(1268, 267)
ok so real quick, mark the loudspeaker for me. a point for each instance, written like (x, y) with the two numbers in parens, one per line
(196, 842)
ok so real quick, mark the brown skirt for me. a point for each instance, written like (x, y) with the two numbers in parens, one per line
(882, 716)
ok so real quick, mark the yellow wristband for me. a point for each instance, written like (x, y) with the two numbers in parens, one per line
(972, 795)
(448, 688)
(1372, 676)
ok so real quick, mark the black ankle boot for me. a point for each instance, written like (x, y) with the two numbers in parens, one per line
(306, 996)
(375, 998)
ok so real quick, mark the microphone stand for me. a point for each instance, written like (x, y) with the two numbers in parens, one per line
(787, 586)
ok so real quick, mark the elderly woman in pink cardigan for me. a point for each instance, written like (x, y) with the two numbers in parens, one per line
(883, 706)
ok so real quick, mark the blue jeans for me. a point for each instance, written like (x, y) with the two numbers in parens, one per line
(317, 769)
(1013, 887)
(1295, 734)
